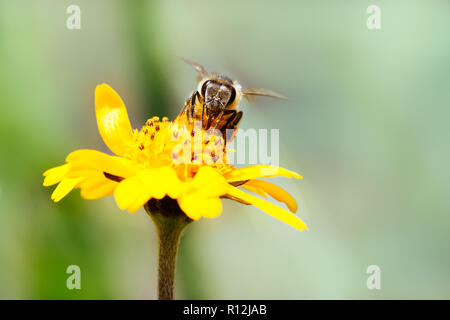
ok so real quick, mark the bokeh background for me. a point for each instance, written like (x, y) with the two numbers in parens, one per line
(366, 123)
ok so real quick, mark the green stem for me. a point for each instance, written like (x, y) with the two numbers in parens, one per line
(170, 222)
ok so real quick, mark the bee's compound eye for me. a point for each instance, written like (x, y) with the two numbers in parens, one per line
(204, 86)
(232, 96)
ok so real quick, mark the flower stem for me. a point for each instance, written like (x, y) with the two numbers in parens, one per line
(170, 222)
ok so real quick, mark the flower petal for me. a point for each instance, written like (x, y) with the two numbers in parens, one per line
(128, 192)
(195, 206)
(201, 195)
(64, 187)
(254, 189)
(208, 182)
(55, 175)
(259, 171)
(96, 185)
(269, 208)
(92, 159)
(161, 182)
(112, 119)
(132, 193)
(275, 192)
(99, 191)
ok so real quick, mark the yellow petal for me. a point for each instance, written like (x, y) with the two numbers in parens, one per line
(139, 202)
(269, 208)
(259, 171)
(99, 191)
(92, 179)
(64, 187)
(196, 207)
(128, 192)
(208, 182)
(133, 192)
(254, 189)
(275, 192)
(112, 119)
(55, 175)
(96, 185)
(201, 195)
(161, 182)
(77, 172)
(92, 159)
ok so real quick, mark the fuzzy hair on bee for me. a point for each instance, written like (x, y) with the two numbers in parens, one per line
(215, 101)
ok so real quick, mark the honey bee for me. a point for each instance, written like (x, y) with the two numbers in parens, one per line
(216, 99)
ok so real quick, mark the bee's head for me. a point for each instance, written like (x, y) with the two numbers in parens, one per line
(219, 92)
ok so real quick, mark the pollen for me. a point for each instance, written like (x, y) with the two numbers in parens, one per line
(160, 143)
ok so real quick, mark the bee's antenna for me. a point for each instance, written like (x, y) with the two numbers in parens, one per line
(197, 67)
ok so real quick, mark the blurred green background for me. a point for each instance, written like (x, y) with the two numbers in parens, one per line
(366, 123)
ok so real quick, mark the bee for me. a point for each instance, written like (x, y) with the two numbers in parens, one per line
(215, 101)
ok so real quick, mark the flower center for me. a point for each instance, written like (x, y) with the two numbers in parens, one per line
(162, 143)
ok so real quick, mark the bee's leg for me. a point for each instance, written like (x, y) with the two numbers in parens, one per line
(190, 110)
(233, 125)
(203, 113)
(220, 119)
(228, 122)
(237, 119)
(230, 119)
(209, 120)
(194, 99)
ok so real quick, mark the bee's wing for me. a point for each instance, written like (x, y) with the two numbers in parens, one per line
(181, 121)
(252, 93)
(183, 118)
(202, 73)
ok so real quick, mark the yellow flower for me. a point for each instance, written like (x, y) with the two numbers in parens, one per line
(144, 168)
